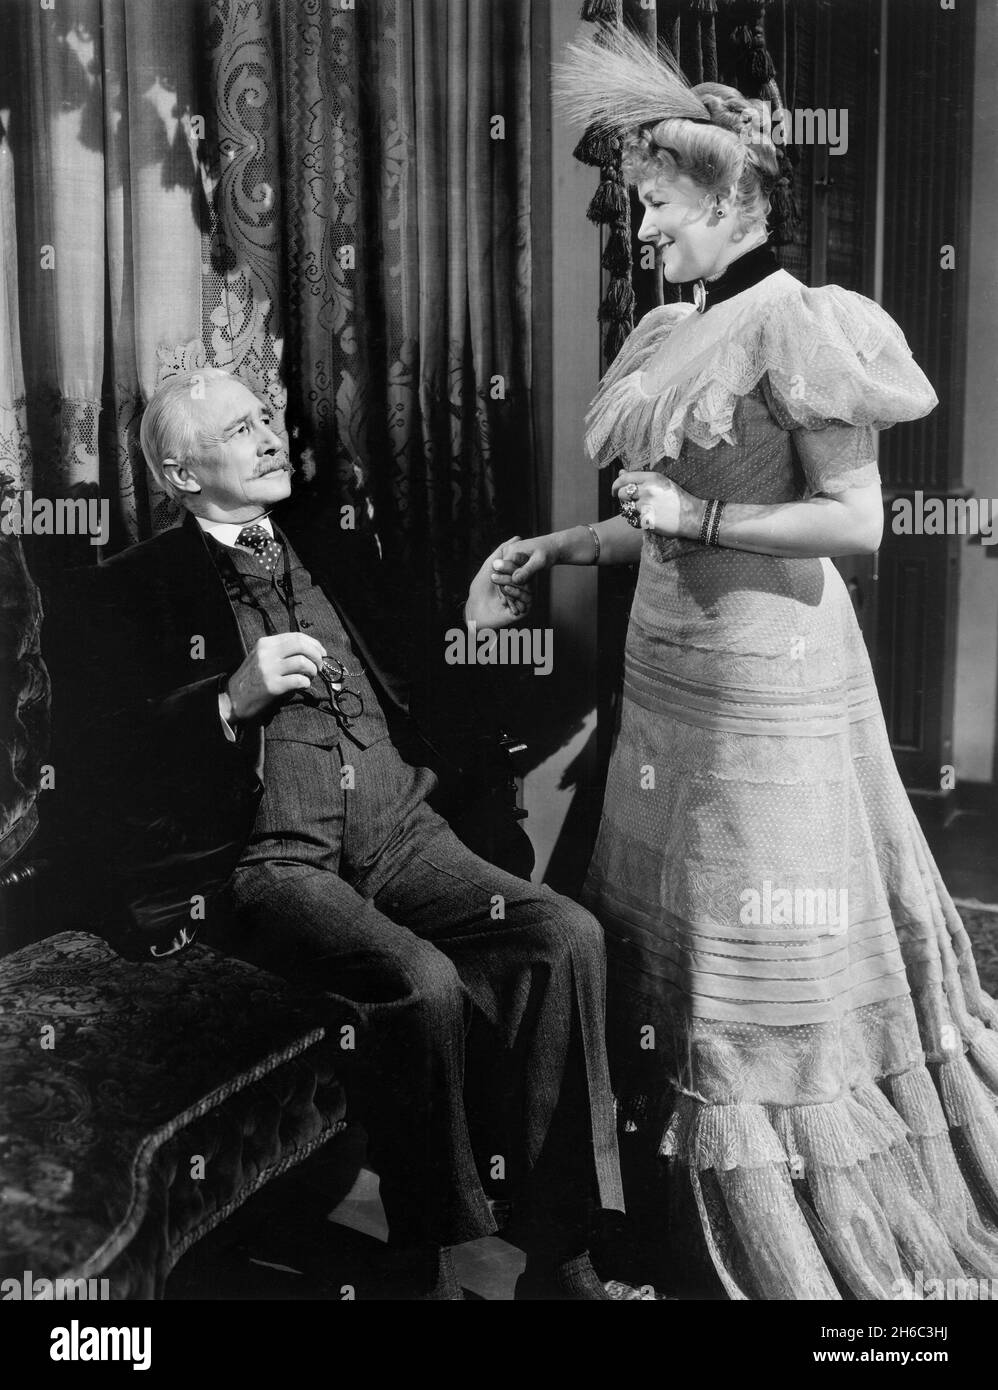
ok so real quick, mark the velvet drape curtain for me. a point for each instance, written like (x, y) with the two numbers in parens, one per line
(331, 200)
(408, 129)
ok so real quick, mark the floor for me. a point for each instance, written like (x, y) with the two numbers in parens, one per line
(295, 1240)
(964, 844)
(283, 1245)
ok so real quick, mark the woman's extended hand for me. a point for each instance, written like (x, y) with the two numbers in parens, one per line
(519, 561)
(493, 603)
(663, 505)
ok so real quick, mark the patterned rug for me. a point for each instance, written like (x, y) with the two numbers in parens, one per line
(629, 1293)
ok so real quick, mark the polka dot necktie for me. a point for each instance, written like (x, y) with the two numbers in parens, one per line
(262, 544)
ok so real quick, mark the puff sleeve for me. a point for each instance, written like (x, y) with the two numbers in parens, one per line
(838, 369)
(837, 457)
(827, 362)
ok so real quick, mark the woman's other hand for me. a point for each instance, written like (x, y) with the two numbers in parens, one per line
(663, 506)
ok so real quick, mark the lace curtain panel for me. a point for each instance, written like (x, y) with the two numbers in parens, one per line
(333, 203)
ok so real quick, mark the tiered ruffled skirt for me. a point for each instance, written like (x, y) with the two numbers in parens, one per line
(795, 1017)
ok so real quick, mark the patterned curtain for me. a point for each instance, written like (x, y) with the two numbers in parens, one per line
(24, 686)
(330, 199)
(408, 249)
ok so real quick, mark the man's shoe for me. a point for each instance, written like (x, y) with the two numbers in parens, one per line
(573, 1279)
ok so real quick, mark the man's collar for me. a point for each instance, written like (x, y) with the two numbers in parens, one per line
(225, 532)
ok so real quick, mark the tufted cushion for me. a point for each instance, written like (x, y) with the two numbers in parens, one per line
(117, 1077)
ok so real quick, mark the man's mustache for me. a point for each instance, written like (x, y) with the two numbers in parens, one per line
(283, 465)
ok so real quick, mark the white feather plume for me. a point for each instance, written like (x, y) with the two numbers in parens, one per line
(619, 82)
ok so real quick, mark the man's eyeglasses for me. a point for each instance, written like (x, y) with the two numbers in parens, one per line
(347, 705)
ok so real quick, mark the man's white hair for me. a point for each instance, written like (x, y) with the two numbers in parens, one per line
(170, 429)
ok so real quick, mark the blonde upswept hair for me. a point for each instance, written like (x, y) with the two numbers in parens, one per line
(617, 85)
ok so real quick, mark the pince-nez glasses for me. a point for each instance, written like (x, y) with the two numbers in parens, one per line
(346, 705)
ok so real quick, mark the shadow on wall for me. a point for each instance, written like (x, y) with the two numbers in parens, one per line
(123, 132)
(568, 753)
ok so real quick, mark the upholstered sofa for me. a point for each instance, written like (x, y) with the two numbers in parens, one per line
(141, 1104)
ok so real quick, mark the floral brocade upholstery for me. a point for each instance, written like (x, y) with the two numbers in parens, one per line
(116, 1078)
(24, 698)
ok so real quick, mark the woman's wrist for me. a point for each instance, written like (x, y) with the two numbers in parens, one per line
(586, 544)
(573, 546)
(692, 511)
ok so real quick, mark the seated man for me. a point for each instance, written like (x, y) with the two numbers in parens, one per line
(242, 745)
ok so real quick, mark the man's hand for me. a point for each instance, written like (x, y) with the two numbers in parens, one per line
(275, 667)
(493, 604)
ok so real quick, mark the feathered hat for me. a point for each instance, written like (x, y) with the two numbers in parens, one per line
(615, 82)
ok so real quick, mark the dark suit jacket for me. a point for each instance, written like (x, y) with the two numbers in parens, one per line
(156, 801)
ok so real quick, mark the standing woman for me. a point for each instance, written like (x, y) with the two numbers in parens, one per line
(794, 1009)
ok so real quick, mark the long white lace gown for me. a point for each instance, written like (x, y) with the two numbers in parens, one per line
(824, 1067)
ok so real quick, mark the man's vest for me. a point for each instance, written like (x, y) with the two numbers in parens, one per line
(335, 796)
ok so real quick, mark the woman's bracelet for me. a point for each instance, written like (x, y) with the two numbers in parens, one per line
(596, 542)
(710, 522)
(715, 524)
(708, 512)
